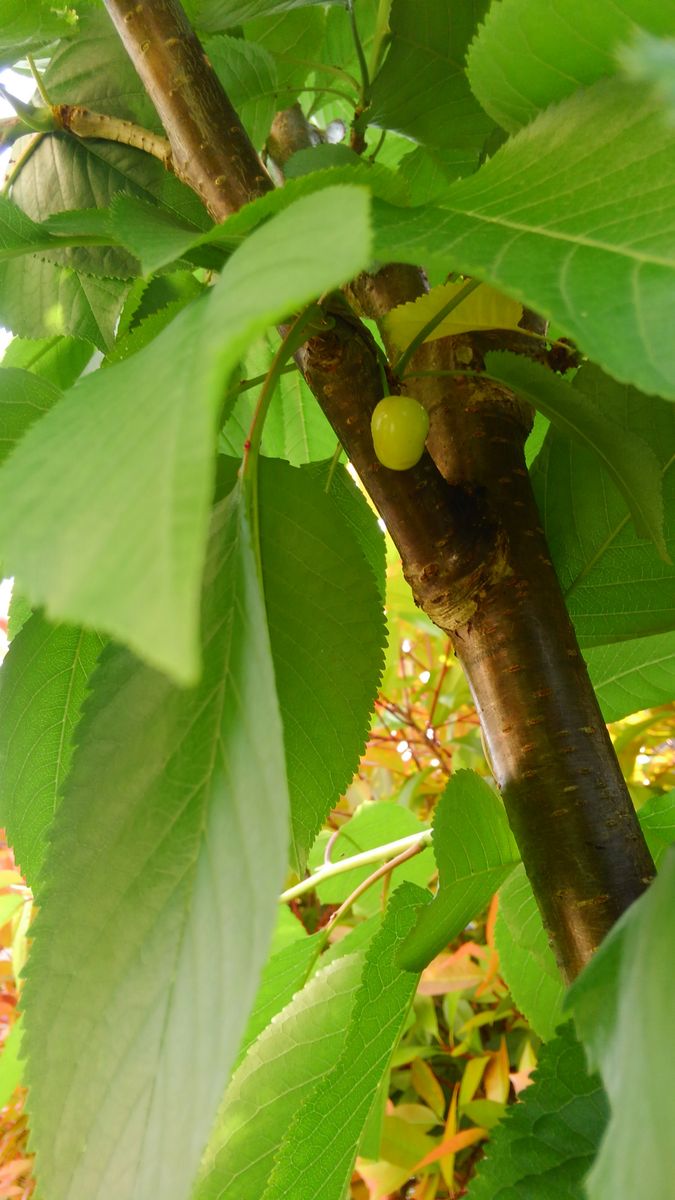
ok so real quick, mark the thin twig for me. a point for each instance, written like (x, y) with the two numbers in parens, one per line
(363, 859)
(85, 123)
(363, 65)
(385, 869)
(19, 162)
(38, 81)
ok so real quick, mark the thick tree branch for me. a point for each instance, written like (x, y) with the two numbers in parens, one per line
(209, 145)
(466, 526)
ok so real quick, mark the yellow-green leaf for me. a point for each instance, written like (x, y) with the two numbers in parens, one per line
(486, 308)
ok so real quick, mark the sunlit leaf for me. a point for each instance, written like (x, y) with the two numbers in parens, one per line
(157, 877)
(475, 852)
(622, 1004)
(485, 308)
(526, 56)
(317, 1153)
(43, 684)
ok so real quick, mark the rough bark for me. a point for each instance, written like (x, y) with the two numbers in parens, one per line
(464, 521)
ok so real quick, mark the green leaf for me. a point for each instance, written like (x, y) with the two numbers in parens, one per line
(65, 175)
(622, 1004)
(94, 69)
(358, 513)
(545, 1144)
(104, 506)
(11, 1067)
(148, 328)
(527, 56)
(475, 852)
(287, 1061)
(629, 676)
(157, 878)
(657, 820)
(248, 74)
(373, 824)
(428, 172)
(158, 239)
(328, 634)
(525, 958)
(615, 586)
(632, 466)
(41, 299)
(284, 974)
(18, 233)
(43, 684)
(317, 1153)
(587, 243)
(61, 360)
(422, 89)
(651, 60)
(24, 399)
(211, 16)
(28, 25)
(295, 427)
(293, 39)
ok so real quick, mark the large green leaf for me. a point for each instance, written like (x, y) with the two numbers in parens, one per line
(328, 634)
(615, 585)
(622, 1004)
(293, 39)
(41, 299)
(104, 506)
(327, 631)
(61, 360)
(589, 242)
(158, 238)
(248, 74)
(43, 684)
(317, 1153)
(24, 398)
(422, 89)
(285, 1064)
(28, 25)
(94, 69)
(211, 16)
(475, 852)
(628, 676)
(526, 960)
(585, 413)
(159, 900)
(526, 56)
(546, 1143)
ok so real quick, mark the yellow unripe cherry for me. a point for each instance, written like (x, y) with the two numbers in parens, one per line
(399, 426)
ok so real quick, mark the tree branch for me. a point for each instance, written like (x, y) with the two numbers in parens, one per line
(209, 145)
(466, 526)
(84, 123)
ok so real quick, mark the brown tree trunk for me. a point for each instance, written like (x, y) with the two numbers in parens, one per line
(464, 521)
